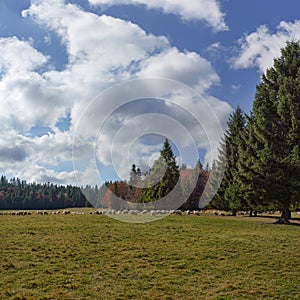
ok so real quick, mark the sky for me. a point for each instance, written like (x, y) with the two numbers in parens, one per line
(89, 87)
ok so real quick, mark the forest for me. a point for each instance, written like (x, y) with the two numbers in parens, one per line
(259, 155)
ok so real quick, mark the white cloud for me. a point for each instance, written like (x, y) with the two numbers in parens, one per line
(259, 48)
(183, 116)
(188, 67)
(26, 96)
(102, 39)
(207, 10)
(236, 87)
(101, 51)
(19, 56)
(36, 158)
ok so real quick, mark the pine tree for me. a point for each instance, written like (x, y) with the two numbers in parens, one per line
(277, 127)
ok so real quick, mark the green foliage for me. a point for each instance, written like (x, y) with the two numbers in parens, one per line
(251, 178)
(163, 176)
(17, 194)
(229, 195)
(277, 127)
(262, 155)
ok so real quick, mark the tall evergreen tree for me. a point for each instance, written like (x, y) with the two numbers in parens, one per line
(229, 194)
(250, 176)
(163, 177)
(277, 127)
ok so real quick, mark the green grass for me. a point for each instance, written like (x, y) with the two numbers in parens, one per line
(179, 257)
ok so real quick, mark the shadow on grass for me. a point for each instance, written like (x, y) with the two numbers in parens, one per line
(278, 221)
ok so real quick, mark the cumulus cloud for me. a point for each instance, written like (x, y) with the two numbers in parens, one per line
(38, 159)
(259, 48)
(19, 56)
(102, 51)
(188, 67)
(24, 88)
(187, 118)
(104, 40)
(207, 10)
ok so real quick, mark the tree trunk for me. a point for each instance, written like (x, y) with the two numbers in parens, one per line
(234, 213)
(285, 214)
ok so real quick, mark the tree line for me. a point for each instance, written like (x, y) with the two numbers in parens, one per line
(18, 194)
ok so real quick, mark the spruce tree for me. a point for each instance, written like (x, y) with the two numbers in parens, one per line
(277, 126)
(229, 194)
(249, 176)
(163, 177)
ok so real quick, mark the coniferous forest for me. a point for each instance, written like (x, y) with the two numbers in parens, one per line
(260, 153)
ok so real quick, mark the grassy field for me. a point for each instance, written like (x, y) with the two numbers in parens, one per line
(179, 257)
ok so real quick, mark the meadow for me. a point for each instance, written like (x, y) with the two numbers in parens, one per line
(178, 257)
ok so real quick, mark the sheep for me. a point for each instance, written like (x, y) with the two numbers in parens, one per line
(19, 213)
(152, 212)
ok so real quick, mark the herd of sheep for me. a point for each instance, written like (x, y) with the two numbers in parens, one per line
(124, 212)
(102, 212)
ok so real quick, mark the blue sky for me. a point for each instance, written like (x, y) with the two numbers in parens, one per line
(59, 55)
